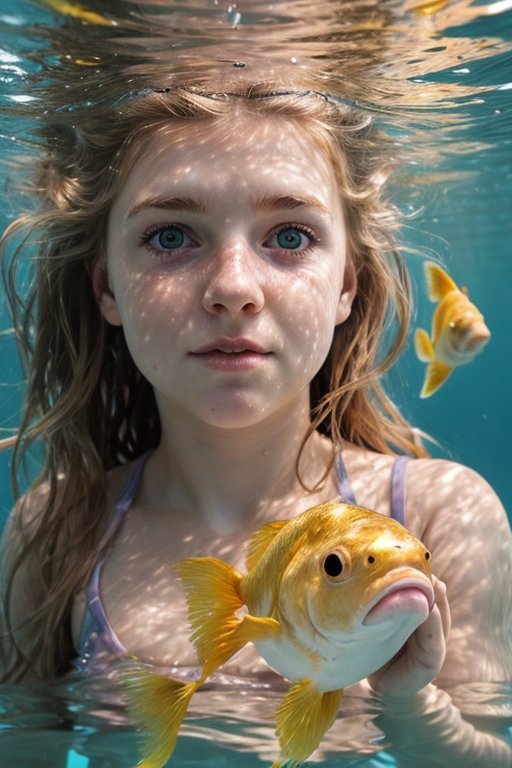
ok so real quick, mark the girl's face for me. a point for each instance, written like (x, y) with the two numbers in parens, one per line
(226, 266)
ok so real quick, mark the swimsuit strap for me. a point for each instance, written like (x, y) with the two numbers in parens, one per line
(398, 486)
(94, 616)
(124, 500)
(346, 492)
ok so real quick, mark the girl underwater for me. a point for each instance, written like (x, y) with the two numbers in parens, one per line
(216, 271)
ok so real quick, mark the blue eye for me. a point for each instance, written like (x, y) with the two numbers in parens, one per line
(170, 237)
(166, 239)
(289, 238)
(293, 238)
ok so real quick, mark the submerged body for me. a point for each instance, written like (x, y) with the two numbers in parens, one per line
(331, 596)
(459, 332)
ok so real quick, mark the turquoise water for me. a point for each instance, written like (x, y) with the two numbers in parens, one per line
(457, 181)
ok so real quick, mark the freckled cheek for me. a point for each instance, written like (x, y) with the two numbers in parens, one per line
(310, 310)
(156, 315)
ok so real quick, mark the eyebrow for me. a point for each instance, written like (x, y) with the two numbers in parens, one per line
(265, 204)
(169, 204)
(286, 203)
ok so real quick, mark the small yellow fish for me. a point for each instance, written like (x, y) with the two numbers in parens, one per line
(458, 330)
(428, 7)
(76, 11)
(331, 596)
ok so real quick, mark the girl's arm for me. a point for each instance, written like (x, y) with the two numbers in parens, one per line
(467, 530)
(21, 603)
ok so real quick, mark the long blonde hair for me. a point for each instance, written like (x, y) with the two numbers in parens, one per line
(87, 403)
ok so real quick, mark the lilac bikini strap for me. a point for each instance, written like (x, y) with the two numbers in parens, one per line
(95, 618)
(124, 501)
(93, 601)
(398, 487)
(346, 492)
(398, 477)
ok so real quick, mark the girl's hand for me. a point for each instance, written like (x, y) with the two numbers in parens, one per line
(421, 658)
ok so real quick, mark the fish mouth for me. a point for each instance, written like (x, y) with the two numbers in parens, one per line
(478, 341)
(414, 587)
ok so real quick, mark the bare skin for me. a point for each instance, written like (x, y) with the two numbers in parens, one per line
(226, 461)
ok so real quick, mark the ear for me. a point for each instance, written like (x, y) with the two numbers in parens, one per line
(104, 295)
(348, 293)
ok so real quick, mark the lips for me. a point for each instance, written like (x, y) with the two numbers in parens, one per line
(404, 594)
(231, 345)
(231, 354)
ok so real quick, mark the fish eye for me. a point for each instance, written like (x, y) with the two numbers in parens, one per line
(334, 566)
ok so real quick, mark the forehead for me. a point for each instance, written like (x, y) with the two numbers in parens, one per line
(209, 157)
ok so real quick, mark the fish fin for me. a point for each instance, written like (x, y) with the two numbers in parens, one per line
(437, 373)
(247, 630)
(303, 718)
(158, 704)
(261, 541)
(212, 589)
(253, 629)
(423, 346)
(439, 283)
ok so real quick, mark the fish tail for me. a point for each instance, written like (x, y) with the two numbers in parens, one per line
(158, 704)
(423, 346)
(439, 283)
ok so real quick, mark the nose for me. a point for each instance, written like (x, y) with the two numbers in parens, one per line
(234, 285)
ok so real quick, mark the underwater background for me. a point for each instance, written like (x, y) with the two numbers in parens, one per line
(441, 90)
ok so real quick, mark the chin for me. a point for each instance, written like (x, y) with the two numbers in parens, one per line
(240, 418)
(237, 411)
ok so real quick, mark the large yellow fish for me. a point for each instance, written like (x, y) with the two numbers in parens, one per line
(459, 332)
(331, 596)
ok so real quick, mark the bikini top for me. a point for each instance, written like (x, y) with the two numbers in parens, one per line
(98, 639)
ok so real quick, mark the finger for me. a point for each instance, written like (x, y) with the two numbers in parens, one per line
(441, 600)
(427, 643)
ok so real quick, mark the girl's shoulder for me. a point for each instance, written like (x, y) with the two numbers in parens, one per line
(28, 510)
(443, 498)
(441, 484)
(458, 515)
(24, 518)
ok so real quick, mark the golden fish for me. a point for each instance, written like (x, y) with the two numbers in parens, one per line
(331, 596)
(458, 330)
(428, 7)
(76, 11)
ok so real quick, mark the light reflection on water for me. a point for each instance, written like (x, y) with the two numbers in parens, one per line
(83, 715)
(438, 79)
